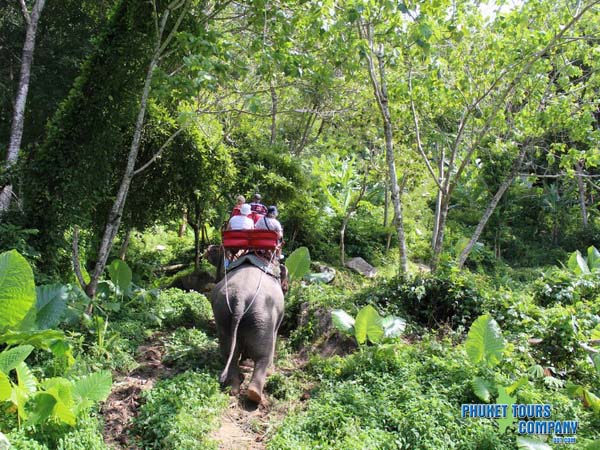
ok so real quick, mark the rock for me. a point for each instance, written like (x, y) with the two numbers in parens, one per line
(359, 265)
(198, 282)
(323, 274)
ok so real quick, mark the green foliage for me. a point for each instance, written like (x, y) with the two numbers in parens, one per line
(190, 348)
(298, 264)
(452, 298)
(180, 412)
(177, 308)
(51, 305)
(375, 399)
(368, 325)
(120, 274)
(485, 342)
(17, 289)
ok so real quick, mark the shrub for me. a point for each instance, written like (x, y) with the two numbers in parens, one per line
(189, 348)
(178, 308)
(562, 286)
(180, 412)
(451, 299)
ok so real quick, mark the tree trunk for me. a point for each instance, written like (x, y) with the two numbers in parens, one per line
(124, 245)
(380, 93)
(183, 224)
(439, 241)
(16, 131)
(491, 208)
(438, 201)
(273, 114)
(116, 212)
(581, 188)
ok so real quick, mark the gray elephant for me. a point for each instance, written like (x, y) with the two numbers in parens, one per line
(248, 310)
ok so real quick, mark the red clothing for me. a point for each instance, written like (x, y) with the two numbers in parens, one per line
(235, 211)
(258, 208)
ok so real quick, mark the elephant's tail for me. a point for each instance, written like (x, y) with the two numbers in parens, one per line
(236, 318)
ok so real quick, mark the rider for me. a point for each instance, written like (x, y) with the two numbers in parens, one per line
(243, 220)
(239, 201)
(270, 222)
(258, 209)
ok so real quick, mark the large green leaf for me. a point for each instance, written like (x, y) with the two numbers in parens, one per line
(94, 387)
(593, 445)
(368, 325)
(484, 341)
(43, 340)
(524, 443)
(120, 274)
(62, 390)
(483, 389)
(342, 320)
(40, 407)
(577, 264)
(25, 378)
(17, 289)
(298, 263)
(5, 387)
(51, 305)
(593, 259)
(9, 359)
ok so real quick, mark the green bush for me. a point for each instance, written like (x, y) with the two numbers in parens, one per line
(178, 308)
(178, 413)
(446, 299)
(390, 397)
(190, 348)
(562, 286)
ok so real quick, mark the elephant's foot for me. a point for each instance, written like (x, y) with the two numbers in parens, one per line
(235, 384)
(254, 395)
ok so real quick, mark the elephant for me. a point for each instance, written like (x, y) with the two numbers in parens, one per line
(248, 310)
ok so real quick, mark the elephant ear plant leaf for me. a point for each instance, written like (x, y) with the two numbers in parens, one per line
(485, 342)
(17, 289)
(298, 264)
(120, 274)
(368, 325)
(577, 264)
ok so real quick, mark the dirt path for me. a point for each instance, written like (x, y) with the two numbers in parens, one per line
(121, 406)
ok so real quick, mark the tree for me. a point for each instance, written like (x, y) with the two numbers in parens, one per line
(16, 133)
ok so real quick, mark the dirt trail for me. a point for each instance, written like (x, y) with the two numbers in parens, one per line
(121, 406)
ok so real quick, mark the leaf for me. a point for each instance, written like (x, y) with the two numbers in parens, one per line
(51, 305)
(483, 388)
(17, 289)
(120, 274)
(95, 386)
(39, 339)
(593, 445)
(393, 326)
(5, 387)
(40, 408)
(505, 399)
(298, 263)
(525, 443)
(342, 320)
(596, 333)
(62, 391)
(577, 264)
(484, 341)
(9, 359)
(516, 385)
(591, 400)
(368, 325)
(593, 259)
(25, 378)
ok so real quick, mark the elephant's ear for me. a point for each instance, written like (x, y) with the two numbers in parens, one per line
(285, 282)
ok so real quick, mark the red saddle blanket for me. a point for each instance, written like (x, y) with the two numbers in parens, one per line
(251, 239)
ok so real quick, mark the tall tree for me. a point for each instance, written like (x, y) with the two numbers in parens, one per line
(16, 133)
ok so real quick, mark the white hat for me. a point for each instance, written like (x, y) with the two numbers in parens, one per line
(245, 209)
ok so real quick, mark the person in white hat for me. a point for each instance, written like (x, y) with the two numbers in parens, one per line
(241, 221)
